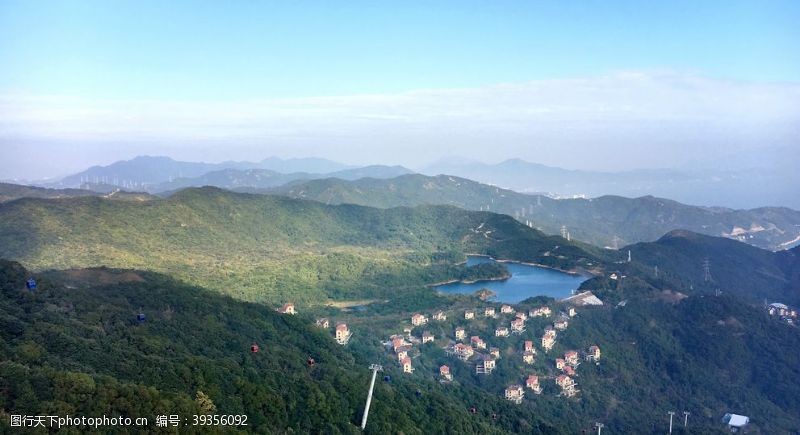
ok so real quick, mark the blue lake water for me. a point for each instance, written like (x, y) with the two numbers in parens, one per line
(525, 282)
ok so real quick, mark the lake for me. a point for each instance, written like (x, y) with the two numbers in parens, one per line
(526, 281)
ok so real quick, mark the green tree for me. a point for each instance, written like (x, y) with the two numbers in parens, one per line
(205, 403)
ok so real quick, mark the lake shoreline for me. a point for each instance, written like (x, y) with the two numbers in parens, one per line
(469, 281)
(526, 280)
(574, 272)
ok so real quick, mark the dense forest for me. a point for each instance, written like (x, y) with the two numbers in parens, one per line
(270, 249)
(74, 345)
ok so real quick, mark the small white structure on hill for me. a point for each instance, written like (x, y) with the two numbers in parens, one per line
(287, 308)
(735, 421)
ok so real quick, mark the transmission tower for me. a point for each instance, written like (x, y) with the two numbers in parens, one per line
(655, 270)
(706, 270)
(564, 231)
(599, 427)
(615, 242)
(686, 418)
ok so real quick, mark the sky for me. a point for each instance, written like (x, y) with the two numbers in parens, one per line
(589, 84)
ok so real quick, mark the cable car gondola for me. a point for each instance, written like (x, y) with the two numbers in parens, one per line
(141, 317)
(30, 284)
(387, 378)
(254, 348)
(310, 362)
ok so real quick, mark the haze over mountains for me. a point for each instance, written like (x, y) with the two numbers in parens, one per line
(606, 221)
(774, 185)
(740, 188)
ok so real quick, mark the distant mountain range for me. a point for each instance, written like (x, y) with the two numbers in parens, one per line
(144, 171)
(737, 189)
(611, 221)
(253, 179)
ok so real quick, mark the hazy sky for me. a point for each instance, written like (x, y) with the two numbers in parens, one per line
(594, 84)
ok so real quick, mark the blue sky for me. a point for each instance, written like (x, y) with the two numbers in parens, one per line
(609, 84)
(247, 49)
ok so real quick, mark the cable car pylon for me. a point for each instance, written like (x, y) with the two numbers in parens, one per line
(375, 369)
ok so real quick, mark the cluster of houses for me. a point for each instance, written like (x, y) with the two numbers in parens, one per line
(475, 349)
(342, 333)
(401, 349)
(783, 312)
(516, 393)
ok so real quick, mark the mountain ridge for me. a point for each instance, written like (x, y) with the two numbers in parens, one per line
(595, 220)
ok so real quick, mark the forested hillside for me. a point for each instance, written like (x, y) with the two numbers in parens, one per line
(751, 273)
(598, 220)
(79, 350)
(269, 248)
(74, 343)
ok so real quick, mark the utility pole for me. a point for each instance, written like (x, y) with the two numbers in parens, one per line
(599, 427)
(671, 414)
(375, 369)
(686, 418)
